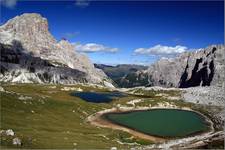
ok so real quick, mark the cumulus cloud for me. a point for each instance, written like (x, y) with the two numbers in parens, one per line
(161, 50)
(93, 47)
(82, 3)
(9, 3)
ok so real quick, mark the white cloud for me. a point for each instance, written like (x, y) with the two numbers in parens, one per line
(161, 50)
(9, 3)
(93, 47)
(82, 3)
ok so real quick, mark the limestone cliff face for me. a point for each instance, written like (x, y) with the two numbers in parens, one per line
(27, 37)
(204, 67)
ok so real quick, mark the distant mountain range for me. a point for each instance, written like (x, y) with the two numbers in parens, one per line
(122, 74)
(30, 54)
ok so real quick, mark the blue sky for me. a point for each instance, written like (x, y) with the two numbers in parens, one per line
(129, 32)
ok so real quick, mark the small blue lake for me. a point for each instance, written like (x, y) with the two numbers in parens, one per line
(98, 97)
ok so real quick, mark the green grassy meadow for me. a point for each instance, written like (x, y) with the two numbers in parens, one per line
(52, 118)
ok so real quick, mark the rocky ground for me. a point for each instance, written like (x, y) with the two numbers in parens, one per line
(210, 95)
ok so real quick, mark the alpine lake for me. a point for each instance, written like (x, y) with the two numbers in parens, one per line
(166, 123)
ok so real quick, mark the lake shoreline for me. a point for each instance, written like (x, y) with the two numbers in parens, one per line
(99, 120)
(105, 117)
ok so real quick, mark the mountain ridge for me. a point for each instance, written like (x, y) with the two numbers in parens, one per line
(118, 72)
(27, 37)
(30, 34)
(203, 67)
(191, 69)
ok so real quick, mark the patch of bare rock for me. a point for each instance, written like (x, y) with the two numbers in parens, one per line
(10, 133)
(208, 95)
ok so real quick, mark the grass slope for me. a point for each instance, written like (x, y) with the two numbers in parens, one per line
(52, 118)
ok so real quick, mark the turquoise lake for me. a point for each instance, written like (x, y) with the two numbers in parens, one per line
(161, 122)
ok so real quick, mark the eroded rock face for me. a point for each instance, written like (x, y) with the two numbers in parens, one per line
(201, 68)
(20, 67)
(204, 67)
(31, 54)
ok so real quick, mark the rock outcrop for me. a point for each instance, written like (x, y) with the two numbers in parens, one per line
(29, 53)
(204, 67)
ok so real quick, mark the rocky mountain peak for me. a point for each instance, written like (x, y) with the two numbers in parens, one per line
(203, 67)
(28, 23)
(30, 29)
(29, 33)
